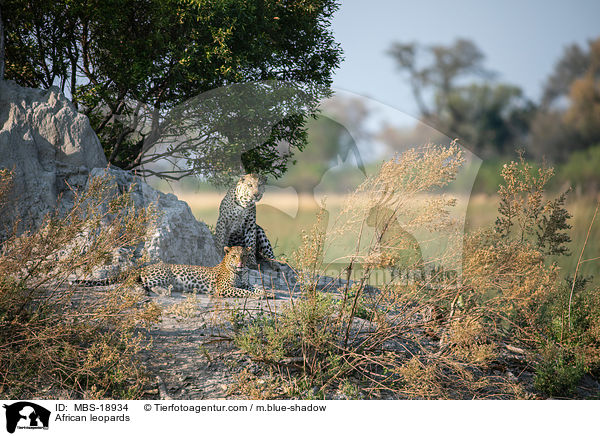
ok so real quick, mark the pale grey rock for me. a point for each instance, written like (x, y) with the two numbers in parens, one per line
(48, 145)
(177, 236)
(53, 152)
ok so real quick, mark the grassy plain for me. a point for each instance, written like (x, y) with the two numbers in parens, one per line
(285, 215)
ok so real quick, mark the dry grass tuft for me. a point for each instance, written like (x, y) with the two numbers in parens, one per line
(437, 335)
(55, 339)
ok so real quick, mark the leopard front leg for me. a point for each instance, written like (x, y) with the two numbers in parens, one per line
(222, 233)
(264, 248)
(250, 242)
(257, 292)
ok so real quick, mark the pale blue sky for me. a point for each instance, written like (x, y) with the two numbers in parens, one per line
(522, 40)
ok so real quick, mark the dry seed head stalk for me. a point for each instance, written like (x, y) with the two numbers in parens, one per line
(77, 341)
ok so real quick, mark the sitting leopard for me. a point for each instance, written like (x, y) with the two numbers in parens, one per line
(237, 225)
(218, 280)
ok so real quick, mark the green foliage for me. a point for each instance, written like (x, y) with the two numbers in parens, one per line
(550, 234)
(362, 309)
(578, 170)
(509, 269)
(551, 138)
(572, 64)
(583, 113)
(237, 127)
(558, 374)
(557, 130)
(326, 141)
(583, 329)
(490, 118)
(329, 140)
(356, 340)
(304, 330)
(581, 170)
(524, 215)
(489, 176)
(448, 64)
(127, 63)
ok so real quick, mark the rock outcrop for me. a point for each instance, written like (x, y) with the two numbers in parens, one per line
(52, 149)
(177, 237)
(48, 145)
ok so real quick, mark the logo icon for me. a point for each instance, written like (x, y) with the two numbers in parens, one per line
(26, 415)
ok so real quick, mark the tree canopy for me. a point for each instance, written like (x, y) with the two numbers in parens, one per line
(569, 116)
(127, 63)
(583, 113)
(488, 116)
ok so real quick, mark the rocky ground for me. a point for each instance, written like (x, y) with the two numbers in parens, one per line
(191, 354)
(193, 357)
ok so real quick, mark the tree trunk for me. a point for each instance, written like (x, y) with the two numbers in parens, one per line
(1, 46)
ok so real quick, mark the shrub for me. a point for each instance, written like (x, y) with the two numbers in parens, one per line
(330, 345)
(303, 332)
(54, 339)
(507, 270)
(558, 374)
(581, 169)
(438, 336)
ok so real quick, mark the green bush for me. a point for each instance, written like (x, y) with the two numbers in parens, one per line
(581, 170)
(303, 331)
(558, 374)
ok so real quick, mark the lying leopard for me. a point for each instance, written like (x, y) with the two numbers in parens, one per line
(237, 225)
(217, 280)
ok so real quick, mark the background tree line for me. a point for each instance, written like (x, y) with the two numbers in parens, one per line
(459, 96)
(137, 67)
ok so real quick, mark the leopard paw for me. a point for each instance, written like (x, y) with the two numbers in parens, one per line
(275, 265)
(159, 290)
(260, 292)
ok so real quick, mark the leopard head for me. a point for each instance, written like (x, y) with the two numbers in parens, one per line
(249, 189)
(235, 258)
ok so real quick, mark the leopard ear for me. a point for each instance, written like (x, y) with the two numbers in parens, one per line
(262, 179)
(247, 249)
(226, 249)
